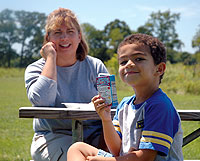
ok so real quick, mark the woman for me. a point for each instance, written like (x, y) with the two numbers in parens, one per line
(65, 73)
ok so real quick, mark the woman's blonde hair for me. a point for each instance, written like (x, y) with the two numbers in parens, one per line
(63, 15)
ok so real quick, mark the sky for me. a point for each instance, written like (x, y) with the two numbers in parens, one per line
(134, 12)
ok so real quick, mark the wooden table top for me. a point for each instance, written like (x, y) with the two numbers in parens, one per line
(85, 114)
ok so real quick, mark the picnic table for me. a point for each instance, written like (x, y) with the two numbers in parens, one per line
(78, 115)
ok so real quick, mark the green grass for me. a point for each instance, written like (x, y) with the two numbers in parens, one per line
(192, 102)
(16, 133)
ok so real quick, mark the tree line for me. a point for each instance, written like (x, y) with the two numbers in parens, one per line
(25, 31)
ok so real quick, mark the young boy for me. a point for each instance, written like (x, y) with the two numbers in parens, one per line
(146, 127)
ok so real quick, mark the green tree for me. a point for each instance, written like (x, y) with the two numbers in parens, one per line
(114, 33)
(113, 64)
(188, 59)
(196, 40)
(95, 41)
(146, 29)
(162, 26)
(8, 37)
(30, 34)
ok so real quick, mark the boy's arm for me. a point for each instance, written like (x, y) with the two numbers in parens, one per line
(112, 139)
(139, 155)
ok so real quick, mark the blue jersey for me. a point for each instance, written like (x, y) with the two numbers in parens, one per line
(153, 124)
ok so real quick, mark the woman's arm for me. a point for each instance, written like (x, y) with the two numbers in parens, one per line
(40, 78)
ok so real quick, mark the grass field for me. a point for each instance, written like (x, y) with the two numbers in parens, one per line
(16, 134)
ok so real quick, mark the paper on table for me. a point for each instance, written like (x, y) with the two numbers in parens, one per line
(82, 106)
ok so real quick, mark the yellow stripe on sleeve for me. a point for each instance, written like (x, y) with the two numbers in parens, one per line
(116, 125)
(117, 128)
(115, 122)
(157, 134)
(157, 141)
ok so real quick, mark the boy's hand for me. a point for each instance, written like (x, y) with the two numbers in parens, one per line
(101, 108)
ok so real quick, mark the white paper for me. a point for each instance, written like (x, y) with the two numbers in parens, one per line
(84, 106)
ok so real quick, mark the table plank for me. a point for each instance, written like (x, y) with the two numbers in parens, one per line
(82, 114)
(59, 113)
(189, 115)
(189, 138)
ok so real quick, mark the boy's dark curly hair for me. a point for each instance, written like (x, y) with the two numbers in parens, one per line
(157, 48)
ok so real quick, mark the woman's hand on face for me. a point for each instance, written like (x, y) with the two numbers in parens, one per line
(48, 50)
(102, 108)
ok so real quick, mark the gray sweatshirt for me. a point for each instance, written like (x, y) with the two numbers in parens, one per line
(75, 84)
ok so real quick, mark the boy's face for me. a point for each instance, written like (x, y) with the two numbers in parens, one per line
(136, 66)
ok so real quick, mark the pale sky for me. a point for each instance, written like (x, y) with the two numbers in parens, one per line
(134, 12)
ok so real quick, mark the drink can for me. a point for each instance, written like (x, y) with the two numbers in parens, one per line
(106, 87)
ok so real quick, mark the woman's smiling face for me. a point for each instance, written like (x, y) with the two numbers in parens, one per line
(66, 40)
